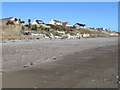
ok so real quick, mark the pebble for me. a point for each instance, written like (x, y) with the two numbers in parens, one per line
(116, 76)
(54, 58)
(35, 87)
(76, 71)
(45, 81)
(93, 80)
(105, 80)
(57, 73)
(118, 82)
(44, 76)
(25, 66)
(1, 71)
(31, 63)
(17, 50)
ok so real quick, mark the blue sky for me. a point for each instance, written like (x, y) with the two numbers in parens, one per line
(93, 14)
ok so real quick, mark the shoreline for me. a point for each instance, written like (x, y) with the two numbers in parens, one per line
(28, 40)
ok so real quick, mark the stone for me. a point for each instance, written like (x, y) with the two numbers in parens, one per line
(105, 80)
(116, 76)
(25, 66)
(31, 63)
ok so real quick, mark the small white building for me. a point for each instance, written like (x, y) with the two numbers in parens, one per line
(38, 22)
(101, 29)
(13, 19)
(58, 22)
(66, 24)
(55, 22)
(78, 26)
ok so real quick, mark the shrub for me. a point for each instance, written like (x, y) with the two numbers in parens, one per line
(34, 27)
(55, 33)
(72, 33)
(10, 22)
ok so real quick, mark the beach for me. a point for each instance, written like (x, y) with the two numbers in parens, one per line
(74, 63)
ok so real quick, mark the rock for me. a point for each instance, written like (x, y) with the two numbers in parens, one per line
(93, 80)
(57, 73)
(16, 50)
(1, 71)
(105, 80)
(35, 87)
(118, 82)
(25, 66)
(45, 81)
(76, 71)
(44, 76)
(116, 76)
(31, 63)
(54, 58)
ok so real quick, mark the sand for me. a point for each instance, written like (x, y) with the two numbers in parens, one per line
(84, 63)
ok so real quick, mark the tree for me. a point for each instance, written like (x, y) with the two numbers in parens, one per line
(15, 19)
(29, 21)
(19, 21)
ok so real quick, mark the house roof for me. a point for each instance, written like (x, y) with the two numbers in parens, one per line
(80, 24)
(7, 18)
(57, 21)
(39, 21)
(4, 20)
(64, 23)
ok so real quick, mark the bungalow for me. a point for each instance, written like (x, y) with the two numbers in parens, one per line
(55, 22)
(58, 22)
(66, 24)
(78, 25)
(100, 29)
(12, 19)
(38, 22)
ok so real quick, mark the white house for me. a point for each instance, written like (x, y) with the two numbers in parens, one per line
(101, 29)
(66, 24)
(38, 22)
(55, 22)
(58, 22)
(13, 19)
(78, 25)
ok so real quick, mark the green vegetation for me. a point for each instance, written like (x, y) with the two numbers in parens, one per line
(72, 33)
(55, 33)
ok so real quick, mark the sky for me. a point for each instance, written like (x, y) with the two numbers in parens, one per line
(93, 14)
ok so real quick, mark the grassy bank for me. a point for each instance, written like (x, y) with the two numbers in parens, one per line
(14, 31)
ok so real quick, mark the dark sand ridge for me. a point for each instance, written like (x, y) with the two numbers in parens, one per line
(93, 67)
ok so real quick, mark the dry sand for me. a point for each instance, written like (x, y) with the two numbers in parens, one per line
(84, 63)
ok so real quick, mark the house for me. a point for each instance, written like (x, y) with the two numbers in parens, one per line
(100, 29)
(5, 20)
(66, 24)
(78, 25)
(11, 19)
(92, 28)
(58, 22)
(55, 22)
(38, 22)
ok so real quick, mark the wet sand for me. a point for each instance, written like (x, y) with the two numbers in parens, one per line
(88, 63)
